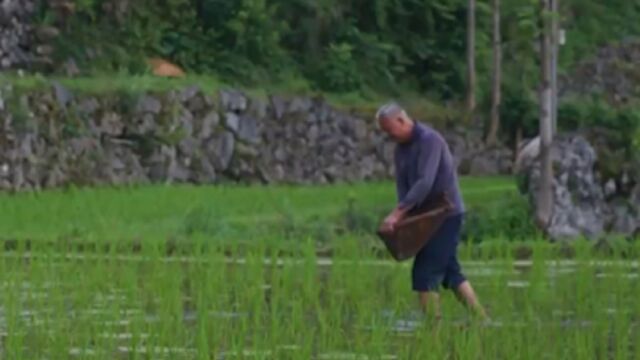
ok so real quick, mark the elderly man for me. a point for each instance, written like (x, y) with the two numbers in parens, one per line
(424, 168)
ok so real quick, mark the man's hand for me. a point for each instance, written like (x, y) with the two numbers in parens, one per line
(390, 222)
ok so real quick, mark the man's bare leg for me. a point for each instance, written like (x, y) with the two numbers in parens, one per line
(467, 297)
(430, 304)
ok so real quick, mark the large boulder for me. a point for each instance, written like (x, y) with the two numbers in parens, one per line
(580, 207)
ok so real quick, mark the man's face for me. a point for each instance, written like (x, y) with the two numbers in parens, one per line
(396, 127)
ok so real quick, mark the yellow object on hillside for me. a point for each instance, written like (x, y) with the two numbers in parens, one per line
(161, 67)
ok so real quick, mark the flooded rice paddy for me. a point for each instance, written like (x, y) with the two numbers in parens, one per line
(352, 306)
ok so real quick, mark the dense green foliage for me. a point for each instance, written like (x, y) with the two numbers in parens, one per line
(614, 131)
(331, 45)
(621, 122)
(598, 114)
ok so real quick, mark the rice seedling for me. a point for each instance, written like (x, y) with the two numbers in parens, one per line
(234, 288)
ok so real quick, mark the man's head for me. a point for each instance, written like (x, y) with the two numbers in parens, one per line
(393, 120)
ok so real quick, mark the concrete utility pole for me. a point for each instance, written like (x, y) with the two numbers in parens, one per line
(555, 39)
(544, 208)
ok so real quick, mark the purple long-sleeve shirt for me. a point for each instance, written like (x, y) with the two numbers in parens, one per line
(424, 167)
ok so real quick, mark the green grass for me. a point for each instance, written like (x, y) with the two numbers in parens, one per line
(162, 211)
(105, 84)
(112, 83)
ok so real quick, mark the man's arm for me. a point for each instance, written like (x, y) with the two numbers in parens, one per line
(428, 163)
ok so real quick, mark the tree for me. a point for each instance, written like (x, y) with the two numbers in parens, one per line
(471, 56)
(492, 137)
(544, 205)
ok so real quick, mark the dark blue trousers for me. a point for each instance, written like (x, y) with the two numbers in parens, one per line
(437, 263)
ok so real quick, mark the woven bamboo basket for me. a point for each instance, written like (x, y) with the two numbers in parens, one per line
(414, 231)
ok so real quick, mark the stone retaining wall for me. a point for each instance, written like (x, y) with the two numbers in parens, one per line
(53, 138)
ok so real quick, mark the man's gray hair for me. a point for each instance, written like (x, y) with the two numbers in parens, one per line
(388, 110)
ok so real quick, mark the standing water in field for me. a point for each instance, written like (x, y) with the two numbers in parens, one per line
(307, 307)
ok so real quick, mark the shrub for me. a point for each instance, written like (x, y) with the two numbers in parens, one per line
(204, 220)
(509, 218)
(623, 122)
(339, 70)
